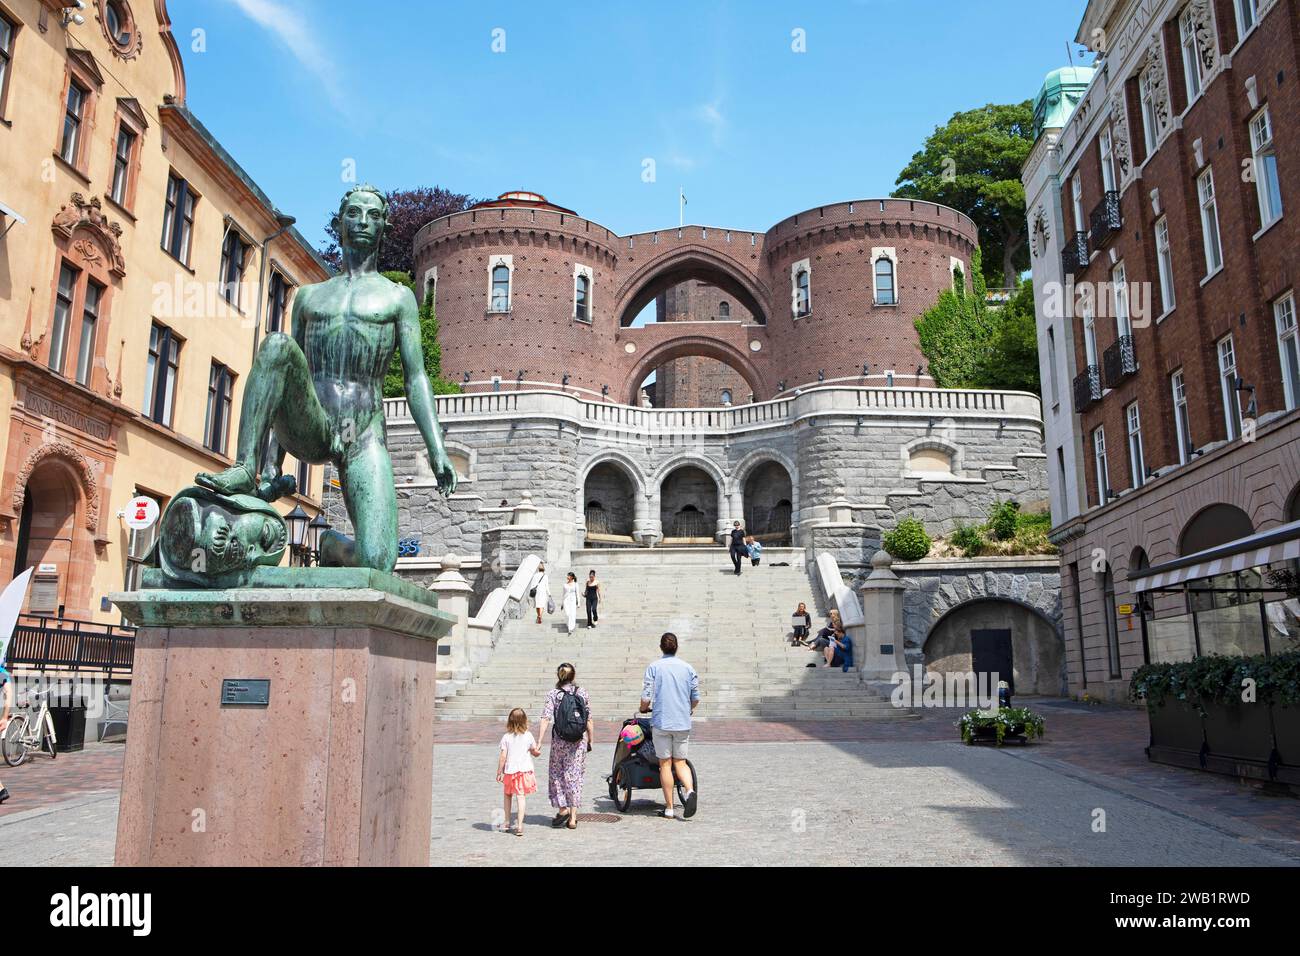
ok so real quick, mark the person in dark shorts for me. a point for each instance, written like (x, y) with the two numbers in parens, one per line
(739, 550)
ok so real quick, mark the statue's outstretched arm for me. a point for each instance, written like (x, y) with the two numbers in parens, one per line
(419, 394)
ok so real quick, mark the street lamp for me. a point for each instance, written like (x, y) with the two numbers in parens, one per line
(297, 522)
(315, 531)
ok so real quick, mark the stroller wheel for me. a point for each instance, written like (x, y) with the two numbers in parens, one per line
(622, 796)
(677, 785)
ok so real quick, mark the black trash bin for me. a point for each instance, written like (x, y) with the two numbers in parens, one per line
(70, 726)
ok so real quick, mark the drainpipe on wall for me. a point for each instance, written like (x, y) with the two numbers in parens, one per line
(285, 222)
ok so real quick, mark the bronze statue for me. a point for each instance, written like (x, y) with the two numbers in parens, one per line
(319, 394)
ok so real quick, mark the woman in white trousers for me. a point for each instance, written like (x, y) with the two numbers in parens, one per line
(570, 602)
(540, 587)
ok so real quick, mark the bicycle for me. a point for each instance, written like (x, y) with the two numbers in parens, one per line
(22, 735)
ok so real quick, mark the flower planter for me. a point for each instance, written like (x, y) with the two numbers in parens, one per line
(1239, 731)
(1015, 734)
(1176, 725)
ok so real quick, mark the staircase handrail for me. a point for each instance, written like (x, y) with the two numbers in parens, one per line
(837, 592)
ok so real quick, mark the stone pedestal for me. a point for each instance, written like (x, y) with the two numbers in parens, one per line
(453, 593)
(879, 655)
(334, 769)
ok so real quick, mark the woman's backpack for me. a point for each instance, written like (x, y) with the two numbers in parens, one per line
(571, 717)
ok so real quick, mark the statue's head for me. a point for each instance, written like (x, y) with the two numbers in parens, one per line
(362, 218)
(217, 540)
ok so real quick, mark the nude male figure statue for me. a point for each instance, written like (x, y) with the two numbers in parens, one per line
(318, 394)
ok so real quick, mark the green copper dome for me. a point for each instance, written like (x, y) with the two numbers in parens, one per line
(1060, 93)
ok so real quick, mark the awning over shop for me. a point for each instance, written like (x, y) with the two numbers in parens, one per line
(6, 211)
(1278, 544)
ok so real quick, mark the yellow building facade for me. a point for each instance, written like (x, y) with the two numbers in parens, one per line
(140, 266)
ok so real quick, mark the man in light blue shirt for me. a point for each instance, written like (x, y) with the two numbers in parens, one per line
(672, 688)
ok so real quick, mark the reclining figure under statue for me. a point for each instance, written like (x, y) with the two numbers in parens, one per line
(318, 395)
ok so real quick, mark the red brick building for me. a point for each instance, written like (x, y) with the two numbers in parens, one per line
(1165, 214)
(696, 381)
(529, 295)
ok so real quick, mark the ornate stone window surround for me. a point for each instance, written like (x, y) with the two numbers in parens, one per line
(509, 263)
(129, 49)
(80, 69)
(579, 271)
(878, 253)
(802, 266)
(131, 118)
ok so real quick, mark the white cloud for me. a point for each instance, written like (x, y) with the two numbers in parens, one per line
(292, 29)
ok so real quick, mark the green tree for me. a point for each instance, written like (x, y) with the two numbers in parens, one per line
(1012, 362)
(394, 382)
(957, 332)
(973, 164)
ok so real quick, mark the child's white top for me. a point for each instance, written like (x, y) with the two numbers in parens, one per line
(516, 747)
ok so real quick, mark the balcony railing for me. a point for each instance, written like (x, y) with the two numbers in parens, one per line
(1087, 388)
(1074, 256)
(1119, 361)
(1106, 220)
(73, 645)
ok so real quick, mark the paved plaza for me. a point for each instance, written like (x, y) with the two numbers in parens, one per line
(778, 793)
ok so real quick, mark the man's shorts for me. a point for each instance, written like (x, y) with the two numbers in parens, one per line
(671, 744)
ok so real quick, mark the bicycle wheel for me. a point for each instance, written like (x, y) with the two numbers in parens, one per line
(49, 743)
(14, 743)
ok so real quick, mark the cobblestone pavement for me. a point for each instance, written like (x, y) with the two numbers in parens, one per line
(816, 792)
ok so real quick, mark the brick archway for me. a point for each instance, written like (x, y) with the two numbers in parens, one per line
(684, 263)
(692, 344)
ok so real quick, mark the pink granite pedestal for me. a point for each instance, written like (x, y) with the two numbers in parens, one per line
(337, 769)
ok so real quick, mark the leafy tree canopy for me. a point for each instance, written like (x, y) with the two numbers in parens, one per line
(409, 210)
(970, 345)
(394, 382)
(973, 165)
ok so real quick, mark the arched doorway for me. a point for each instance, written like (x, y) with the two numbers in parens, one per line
(688, 507)
(609, 506)
(1001, 636)
(1218, 524)
(48, 532)
(769, 503)
(737, 289)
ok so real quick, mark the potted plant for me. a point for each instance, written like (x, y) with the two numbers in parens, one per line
(1175, 722)
(1018, 723)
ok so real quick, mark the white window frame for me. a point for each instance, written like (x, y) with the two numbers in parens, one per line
(1193, 71)
(1288, 343)
(1105, 146)
(1210, 222)
(1101, 464)
(803, 265)
(1119, 292)
(1137, 461)
(1076, 201)
(1227, 354)
(509, 263)
(581, 271)
(878, 253)
(1268, 188)
(1165, 263)
(1090, 335)
(1240, 9)
(1182, 424)
(1150, 123)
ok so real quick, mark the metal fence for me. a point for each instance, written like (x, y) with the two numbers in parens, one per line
(55, 642)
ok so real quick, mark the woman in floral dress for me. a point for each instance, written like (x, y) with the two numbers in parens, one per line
(568, 758)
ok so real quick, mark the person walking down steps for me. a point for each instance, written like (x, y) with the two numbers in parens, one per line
(569, 602)
(591, 591)
(739, 550)
(539, 589)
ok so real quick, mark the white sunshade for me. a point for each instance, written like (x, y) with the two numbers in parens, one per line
(6, 211)
(1267, 547)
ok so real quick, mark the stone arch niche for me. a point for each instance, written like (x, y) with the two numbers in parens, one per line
(58, 515)
(1036, 651)
(768, 494)
(690, 505)
(609, 505)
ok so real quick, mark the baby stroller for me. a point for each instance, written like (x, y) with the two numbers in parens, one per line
(637, 768)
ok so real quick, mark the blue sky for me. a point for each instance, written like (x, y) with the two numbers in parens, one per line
(584, 93)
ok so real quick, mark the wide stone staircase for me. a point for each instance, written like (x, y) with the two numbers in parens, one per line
(734, 631)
